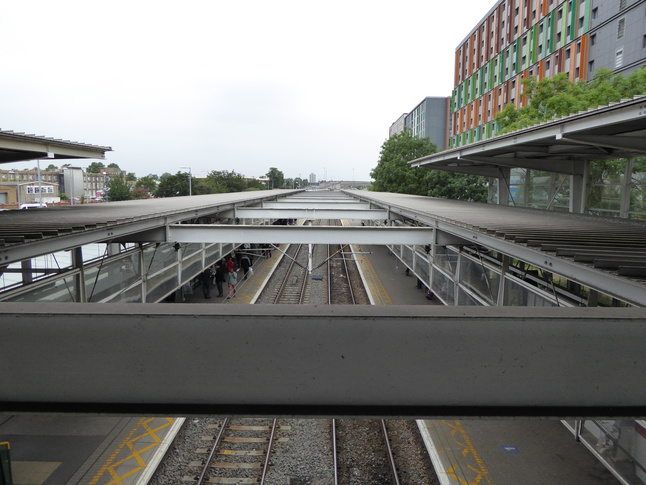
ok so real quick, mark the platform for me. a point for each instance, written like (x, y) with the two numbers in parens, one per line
(504, 452)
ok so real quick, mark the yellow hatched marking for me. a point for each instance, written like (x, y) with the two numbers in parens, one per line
(111, 467)
(479, 470)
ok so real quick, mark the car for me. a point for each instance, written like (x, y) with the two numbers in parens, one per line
(34, 206)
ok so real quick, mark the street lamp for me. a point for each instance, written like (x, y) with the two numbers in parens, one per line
(190, 190)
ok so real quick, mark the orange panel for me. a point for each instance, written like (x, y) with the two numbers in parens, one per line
(585, 39)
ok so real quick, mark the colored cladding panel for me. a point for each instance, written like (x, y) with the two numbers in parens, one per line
(585, 43)
(534, 37)
(573, 23)
(518, 57)
(490, 72)
(553, 31)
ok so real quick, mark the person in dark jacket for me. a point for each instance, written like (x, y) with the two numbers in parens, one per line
(206, 283)
(220, 278)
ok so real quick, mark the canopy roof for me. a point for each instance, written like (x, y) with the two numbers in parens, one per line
(614, 131)
(16, 147)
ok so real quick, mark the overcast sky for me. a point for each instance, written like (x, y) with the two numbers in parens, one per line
(303, 86)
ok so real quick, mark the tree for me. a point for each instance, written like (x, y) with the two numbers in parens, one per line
(95, 167)
(130, 177)
(394, 174)
(276, 178)
(557, 96)
(118, 189)
(51, 168)
(172, 185)
(148, 183)
(113, 165)
(255, 184)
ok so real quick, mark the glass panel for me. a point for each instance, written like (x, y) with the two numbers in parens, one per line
(165, 279)
(60, 290)
(104, 280)
(162, 290)
(465, 299)
(446, 258)
(156, 258)
(212, 254)
(481, 279)
(132, 295)
(407, 256)
(518, 295)
(191, 267)
(621, 444)
(422, 267)
(443, 287)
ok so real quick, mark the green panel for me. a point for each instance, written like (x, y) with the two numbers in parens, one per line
(534, 35)
(573, 20)
(552, 30)
(491, 64)
(501, 74)
(518, 56)
(481, 78)
(489, 125)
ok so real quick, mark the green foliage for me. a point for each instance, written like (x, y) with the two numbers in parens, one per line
(148, 183)
(130, 177)
(51, 168)
(64, 196)
(118, 189)
(276, 178)
(172, 185)
(113, 165)
(393, 174)
(557, 96)
(95, 167)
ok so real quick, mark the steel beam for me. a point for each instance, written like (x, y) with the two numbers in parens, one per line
(286, 360)
(199, 233)
(346, 204)
(311, 214)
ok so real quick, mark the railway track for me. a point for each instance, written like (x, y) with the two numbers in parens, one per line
(240, 453)
(342, 452)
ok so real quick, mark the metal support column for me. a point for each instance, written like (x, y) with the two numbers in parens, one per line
(77, 262)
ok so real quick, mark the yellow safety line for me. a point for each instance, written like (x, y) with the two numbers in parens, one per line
(462, 439)
(111, 467)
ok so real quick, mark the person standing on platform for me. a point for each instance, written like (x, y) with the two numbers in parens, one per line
(231, 264)
(220, 272)
(232, 279)
(206, 283)
(245, 264)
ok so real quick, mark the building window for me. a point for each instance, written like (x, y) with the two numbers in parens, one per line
(590, 66)
(619, 58)
(644, 42)
(593, 39)
(621, 28)
(595, 12)
(622, 4)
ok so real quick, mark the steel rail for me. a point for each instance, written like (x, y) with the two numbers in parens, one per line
(207, 464)
(265, 467)
(391, 457)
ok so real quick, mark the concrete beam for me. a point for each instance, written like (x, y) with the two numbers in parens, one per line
(286, 360)
(311, 214)
(201, 233)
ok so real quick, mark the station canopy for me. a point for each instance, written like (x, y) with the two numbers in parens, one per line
(17, 147)
(562, 146)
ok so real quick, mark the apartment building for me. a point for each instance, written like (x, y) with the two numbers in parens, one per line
(522, 38)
